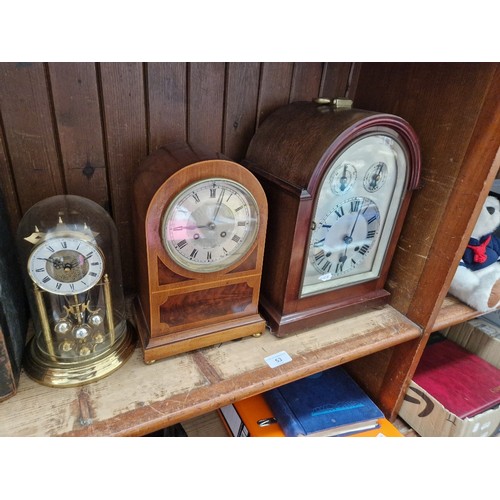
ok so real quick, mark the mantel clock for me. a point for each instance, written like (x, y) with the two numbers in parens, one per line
(200, 223)
(72, 269)
(338, 182)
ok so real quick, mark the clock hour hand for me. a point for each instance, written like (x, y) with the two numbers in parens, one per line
(57, 263)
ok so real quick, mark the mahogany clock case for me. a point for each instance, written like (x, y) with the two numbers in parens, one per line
(290, 154)
(180, 308)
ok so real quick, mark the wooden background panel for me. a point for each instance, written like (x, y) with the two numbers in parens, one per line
(166, 103)
(29, 132)
(206, 104)
(83, 128)
(275, 84)
(78, 120)
(8, 188)
(241, 108)
(126, 140)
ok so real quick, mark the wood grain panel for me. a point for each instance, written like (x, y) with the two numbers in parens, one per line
(166, 94)
(125, 135)
(27, 119)
(306, 81)
(78, 119)
(335, 79)
(206, 104)
(275, 84)
(241, 108)
(8, 188)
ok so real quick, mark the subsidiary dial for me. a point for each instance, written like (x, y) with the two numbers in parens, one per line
(344, 237)
(375, 177)
(343, 177)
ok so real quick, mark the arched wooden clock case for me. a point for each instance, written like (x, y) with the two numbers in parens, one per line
(338, 182)
(199, 268)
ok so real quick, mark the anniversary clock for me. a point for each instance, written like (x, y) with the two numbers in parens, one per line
(338, 182)
(200, 223)
(69, 248)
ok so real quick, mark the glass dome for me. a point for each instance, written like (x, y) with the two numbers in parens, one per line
(68, 248)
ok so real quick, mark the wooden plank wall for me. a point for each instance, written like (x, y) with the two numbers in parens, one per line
(83, 128)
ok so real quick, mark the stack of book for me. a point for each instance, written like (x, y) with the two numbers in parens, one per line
(329, 403)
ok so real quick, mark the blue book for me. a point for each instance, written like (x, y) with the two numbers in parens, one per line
(329, 403)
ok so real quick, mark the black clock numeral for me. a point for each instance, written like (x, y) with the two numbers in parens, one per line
(225, 251)
(93, 274)
(318, 256)
(193, 254)
(46, 279)
(355, 205)
(326, 266)
(213, 192)
(236, 238)
(39, 270)
(238, 209)
(94, 263)
(242, 223)
(319, 243)
(181, 244)
(364, 249)
(50, 249)
(340, 212)
(209, 256)
(72, 286)
(372, 219)
(89, 255)
(64, 244)
(327, 226)
(58, 286)
(196, 197)
(370, 234)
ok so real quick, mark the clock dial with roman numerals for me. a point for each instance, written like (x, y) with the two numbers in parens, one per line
(351, 228)
(344, 237)
(210, 225)
(65, 265)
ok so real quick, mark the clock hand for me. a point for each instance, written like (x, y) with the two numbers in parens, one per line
(219, 202)
(57, 263)
(376, 176)
(343, 179)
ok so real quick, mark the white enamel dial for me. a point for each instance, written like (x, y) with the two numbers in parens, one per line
(210, 225)
(345, 236)
(65, 265)
(355, 213)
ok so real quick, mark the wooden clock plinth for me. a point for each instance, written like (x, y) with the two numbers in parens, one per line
(200, 224)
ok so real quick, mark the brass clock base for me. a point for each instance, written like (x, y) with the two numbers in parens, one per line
(44, 370)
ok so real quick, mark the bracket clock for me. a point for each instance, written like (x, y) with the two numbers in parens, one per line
(338, 182)
(200, 223)
(72, 270)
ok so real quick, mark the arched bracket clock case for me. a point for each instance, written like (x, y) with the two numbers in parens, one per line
(338, 182)
(200, 223)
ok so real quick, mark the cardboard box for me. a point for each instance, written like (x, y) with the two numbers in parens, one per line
(429, 418)
(479, 336)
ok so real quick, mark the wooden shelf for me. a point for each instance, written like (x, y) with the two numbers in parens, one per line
(139, 398)
(453, 312)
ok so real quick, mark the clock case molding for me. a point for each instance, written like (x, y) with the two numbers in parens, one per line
(290, 154)
(178, 310)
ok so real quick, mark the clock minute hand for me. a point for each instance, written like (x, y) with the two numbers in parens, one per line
(219, 203)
